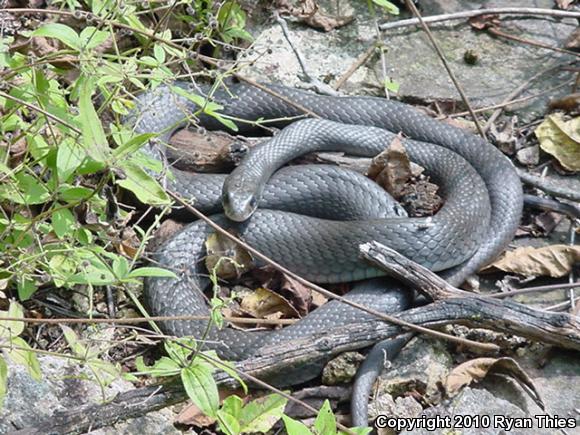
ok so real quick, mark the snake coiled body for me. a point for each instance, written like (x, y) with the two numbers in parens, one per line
(481, 213)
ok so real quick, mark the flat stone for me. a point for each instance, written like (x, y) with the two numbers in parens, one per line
(66, 385)
(410, 60)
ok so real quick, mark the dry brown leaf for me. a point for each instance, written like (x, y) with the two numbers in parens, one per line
(564, 4)
(318, 299)
(561, 139)
(483, 22)
(573, 41)
(297, 293)
(266, 304)
(477, 369)
(327, 22)
(227, 258)
(391, 169)
(191, 415)
(129, 244)
(569, 103)
(309, 13)
(555, 261)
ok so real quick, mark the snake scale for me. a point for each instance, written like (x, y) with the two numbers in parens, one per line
(483, 203)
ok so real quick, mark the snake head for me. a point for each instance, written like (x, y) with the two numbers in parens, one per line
(239, 201)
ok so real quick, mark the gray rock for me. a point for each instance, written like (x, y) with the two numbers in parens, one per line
(342, 369)
(65, 385)
(468, 404)
(502, 65)
(500, 396)
(420, 367)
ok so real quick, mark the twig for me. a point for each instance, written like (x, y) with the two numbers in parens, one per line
(269, 387)
(169, 43)
(130, 320)
(361, 60)
(493, 312)
(570, 210)
(317, 85)
(40, 110)
(411, 6)
(495, 31)
(517, 92)
(317, 288)
(548, 187)
(489, 11)
(508, 102)
(543, 288)
(554, 328)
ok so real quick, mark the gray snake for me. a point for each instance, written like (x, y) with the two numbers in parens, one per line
(479, 218)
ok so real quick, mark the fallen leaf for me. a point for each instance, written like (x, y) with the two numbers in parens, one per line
(391, 169)
(191, 415)
(564, 4)
(310, 13)
(475, 370)
(569, 103)
(529, 156)
(561, 139)
(299, 295)
(266, 304)
(483, 22)
(129, 244)
(318, 299)
(504, 135)
(547, 221)
(226, 257)
(554, 261)
(573, 41)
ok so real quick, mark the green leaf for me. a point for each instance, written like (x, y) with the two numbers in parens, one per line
(27, 190)
(105, 371)
(132, 145)
(3, 380)
(181, 349)
(73, 342)
(233, 405)
(120, 267)
(294, 427)
(159, 53)
(208, 107)
(201, 388)
(145, 188)
(226, 366)
(61, 268)
(325, 422)
(390, 7)
(63, 222)
(63, 33)
(261, 414)
(163, 367)
(151, 271)
(10, 328)
(93, 270)
(91, 37)
(228, 423)
(358, 431)
(68, 158)
(391, 85)
(74, 194)
(94, 138)
(24, 356)
(26, 288)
